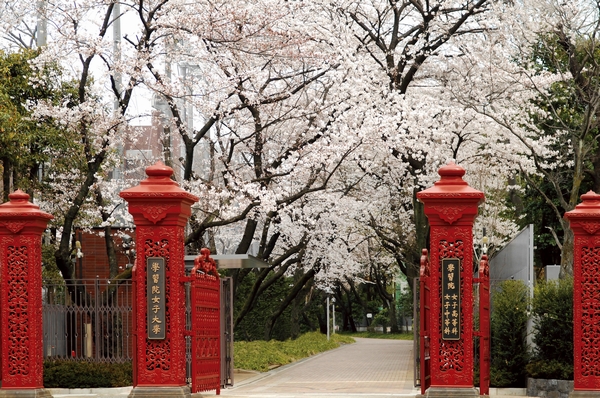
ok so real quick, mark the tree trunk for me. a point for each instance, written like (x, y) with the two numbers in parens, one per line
(298, 287)
(113, 264)
(566, 260)
(6, 173)
(393, 317)
(421, 239)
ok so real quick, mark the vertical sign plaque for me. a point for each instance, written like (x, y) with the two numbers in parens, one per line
(155, 271)
(451, 299)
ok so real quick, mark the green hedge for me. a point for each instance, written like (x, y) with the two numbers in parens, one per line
(71, 374)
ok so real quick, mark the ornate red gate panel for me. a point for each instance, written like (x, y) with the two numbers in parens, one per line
(425, 323)
(206, 325)
(484, 326)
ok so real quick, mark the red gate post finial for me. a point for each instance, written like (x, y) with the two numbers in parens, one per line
(160, 210)
(585, 223)
(21, 227)
(451, 206)
(205, 263)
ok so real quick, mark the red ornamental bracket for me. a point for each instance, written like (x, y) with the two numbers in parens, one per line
(21, 226)
(451, 206)
(585, 223)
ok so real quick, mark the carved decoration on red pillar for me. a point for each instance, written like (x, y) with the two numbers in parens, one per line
(451, 207)
(22, 225)
(590, 302)
(160, 209)
(18, 314)
(584, 220)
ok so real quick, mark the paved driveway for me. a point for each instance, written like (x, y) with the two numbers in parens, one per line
(368, 368)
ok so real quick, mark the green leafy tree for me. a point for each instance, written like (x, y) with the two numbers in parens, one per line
(27, 145)
(569, 120)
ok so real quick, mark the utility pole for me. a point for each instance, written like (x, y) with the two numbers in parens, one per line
(327, 315)
(42, 24)
(333, 313)
(116, 14)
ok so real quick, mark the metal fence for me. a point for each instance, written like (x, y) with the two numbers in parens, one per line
(92, 320)
(88, 320)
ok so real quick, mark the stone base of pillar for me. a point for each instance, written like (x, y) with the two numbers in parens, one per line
(26, 393)
(160, 392)
(584, 394)
(447, 392)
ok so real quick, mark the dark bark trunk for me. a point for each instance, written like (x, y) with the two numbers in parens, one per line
(567, 255)
(296, 289)
(109, 241)
(113, 264)
(63, 253)
(6, 173)
(422, 239)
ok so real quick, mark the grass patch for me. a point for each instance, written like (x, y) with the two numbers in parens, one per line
(375, 335)
(264, 355)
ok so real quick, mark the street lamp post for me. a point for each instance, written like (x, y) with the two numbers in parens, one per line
(333, 311)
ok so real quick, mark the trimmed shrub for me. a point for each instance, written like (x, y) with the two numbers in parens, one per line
(71, 374)
(552, 311)
(552, 369)
(509, 352)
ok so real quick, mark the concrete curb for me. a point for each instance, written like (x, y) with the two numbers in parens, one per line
(92, 392)
(508, 392)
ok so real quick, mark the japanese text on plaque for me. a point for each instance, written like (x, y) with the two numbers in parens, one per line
(451, 299)
(155, 271)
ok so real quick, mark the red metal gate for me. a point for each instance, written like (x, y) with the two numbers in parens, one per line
(425, 366)
(206, 333)
(484, 326)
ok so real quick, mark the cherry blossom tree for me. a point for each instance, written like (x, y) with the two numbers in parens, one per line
(541, 88)
(396, 55)
(306, 128)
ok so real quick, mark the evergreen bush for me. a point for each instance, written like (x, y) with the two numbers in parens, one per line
(72, 374)
(509, 352)
(552, 311)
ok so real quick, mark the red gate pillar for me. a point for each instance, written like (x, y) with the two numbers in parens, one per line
(585, 223)
(451, 207)
(160, 210)
(21, 226)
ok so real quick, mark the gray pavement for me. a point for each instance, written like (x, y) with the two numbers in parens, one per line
(370, 368)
